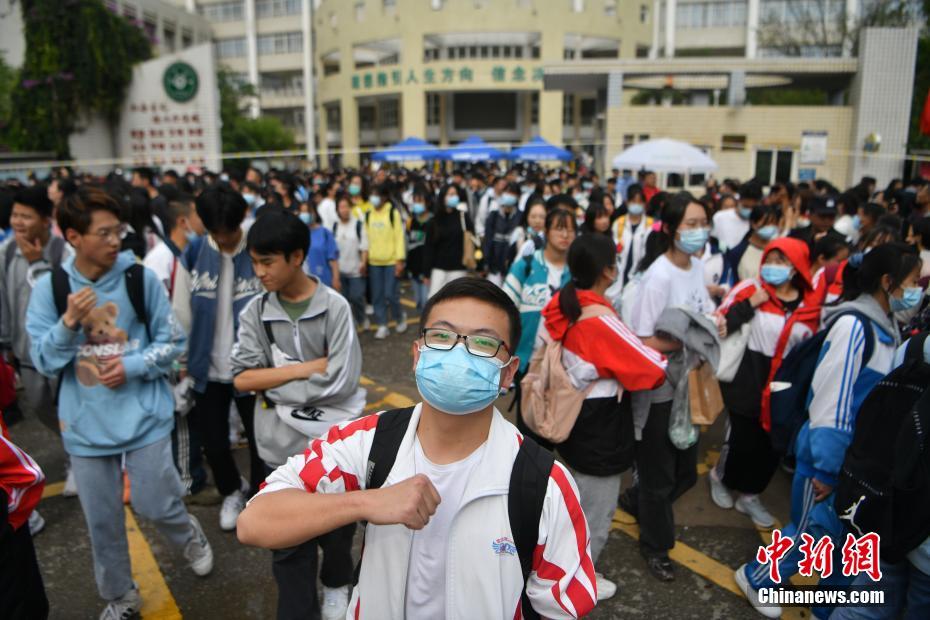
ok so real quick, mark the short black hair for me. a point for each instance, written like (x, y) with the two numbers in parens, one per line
(145, 174)
(922, 228)
(35, 197)
(561, 200)
(77, 209)
(278, 231)
(473, 287)
(221, 208)
(751, 190)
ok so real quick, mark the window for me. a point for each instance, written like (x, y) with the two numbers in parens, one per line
(280, 43)
(643, 137)
(330, 62)
(610, 8)
(588, 112)
(628, 140)
(433, 109)
(733, 142)
(642, 51)
(187, 39)
(388, 113)
(568, 109)
(774, 166)
(430, 55)
(333, 117)
(276, 8)
(643, 13)
(227, 48)
(366, 117)
(223, 12)
(169, 34)
(534, 51)
(534, 108)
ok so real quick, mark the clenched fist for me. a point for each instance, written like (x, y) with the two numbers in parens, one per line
(411, 503)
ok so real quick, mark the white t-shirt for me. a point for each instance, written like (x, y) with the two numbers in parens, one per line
(426, 574)
(223, 336)
(350, 245)
(729, 228)
(666, 286)
(327, 212)
(161, 260)
(555, 276)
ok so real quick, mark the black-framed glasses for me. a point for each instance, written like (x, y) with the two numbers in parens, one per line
(478, 345)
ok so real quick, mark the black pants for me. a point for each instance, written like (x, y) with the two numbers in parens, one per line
(665, 473)
(295, 572)
(22, 593)
(210, 419)
(749, 462)
(188, 458)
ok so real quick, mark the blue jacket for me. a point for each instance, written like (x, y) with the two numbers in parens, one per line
(731, 261)
(95, 420)
(203, 259)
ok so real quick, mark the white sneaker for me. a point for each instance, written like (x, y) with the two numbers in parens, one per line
(401, 324)
(769, 611)
(366, 325)
(335, 603)
(605, 588)
(198, 552)
(719, 492)
(229, 511)
(36, 523)
(125, 607)
(369, 309)
(70, 489)
(751, 505)
(382, 332)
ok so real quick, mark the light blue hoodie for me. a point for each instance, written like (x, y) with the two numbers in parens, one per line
(95, 420)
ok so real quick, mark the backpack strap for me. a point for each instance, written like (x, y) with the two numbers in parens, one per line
(135, 288)
(529, 480)
(265, 324)
(9, 252)
(56, 250)
(869, 347)
(358, 229)
(392, 425)
(527, 266)
(335, 226)
(61, 288)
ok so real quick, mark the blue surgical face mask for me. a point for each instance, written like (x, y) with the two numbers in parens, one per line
(249, 199)
(418, 208)
(508, 200)
(375, 200)
(452, 201)
(856, 222)
(587, 185)
(635, 209)
(191, 236)
(910, 299)
(305, 217)
(776, 275)
(457, 382)
(692, 241)
(745, 212)
(768, 232)
(354, 189)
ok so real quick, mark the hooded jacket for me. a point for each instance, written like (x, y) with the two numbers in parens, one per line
(841, 383)
(602, 351)
(775, 328)
(97, 420)
(325, 329)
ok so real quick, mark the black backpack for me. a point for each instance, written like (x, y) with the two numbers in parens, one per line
(884, 485)
(789, 406)
(529, 479)
(135, 288)
(56, 251)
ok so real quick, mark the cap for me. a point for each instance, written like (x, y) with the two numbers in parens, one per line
(822, 205)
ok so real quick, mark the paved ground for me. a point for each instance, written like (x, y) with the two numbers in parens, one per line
(712, 542)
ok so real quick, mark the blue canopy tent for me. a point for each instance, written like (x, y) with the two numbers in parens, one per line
(538, 149)
(474, 149)
(409, 149)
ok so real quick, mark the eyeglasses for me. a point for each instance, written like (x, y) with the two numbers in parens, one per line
(105, 233)
(445, 340)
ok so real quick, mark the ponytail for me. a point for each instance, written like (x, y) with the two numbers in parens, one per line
(588, 257)
(863, 272)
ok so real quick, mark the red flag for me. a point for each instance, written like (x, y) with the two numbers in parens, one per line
(925, 117)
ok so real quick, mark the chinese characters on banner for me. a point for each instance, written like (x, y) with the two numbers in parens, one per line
(859, 555)
(162, 134)
(517, 76)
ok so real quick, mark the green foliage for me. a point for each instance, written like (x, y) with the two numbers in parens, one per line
(787, 96)
(7, 80)
(241, 133)
(78, 61)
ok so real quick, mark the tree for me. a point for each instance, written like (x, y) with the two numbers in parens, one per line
(7, 81)
(241, 133)
(821, 27)
(78, 61)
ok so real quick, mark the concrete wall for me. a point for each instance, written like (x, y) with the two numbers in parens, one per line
(765, 127)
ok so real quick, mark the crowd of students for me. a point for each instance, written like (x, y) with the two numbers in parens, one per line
(249, 316)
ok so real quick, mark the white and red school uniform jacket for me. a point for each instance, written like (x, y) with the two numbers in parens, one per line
(484, 580)
(20, 478)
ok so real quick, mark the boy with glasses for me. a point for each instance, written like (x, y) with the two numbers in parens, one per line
(466, 517)
(103, 324)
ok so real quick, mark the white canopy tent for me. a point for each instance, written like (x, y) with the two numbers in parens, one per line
(665, 155)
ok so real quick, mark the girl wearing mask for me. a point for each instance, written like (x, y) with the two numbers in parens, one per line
(531, 283)
(600, 350)
(421, 214)
(352, 241)
(630, 232)
(445, 238)
(875, 285)
(532, 235)
(781, 310)
(742, 262)
(323, 257)
(358, 193)
(673, 277)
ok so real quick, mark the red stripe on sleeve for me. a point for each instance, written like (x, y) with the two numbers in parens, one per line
(314, 471)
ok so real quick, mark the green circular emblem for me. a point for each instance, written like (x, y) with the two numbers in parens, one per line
(180, 82)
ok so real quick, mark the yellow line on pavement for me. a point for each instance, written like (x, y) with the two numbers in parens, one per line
(408, 303)
(52, 489)
(157, 601)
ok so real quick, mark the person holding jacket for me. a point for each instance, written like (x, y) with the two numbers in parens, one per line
(115, 404)
(876, 284)
(781, 310)
(601, 353)
(308, 377)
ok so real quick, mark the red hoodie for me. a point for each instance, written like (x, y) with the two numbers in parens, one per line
(802, 323)
(605, 346)
(20, 478)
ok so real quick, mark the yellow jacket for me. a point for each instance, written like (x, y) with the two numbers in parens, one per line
(385, 236)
